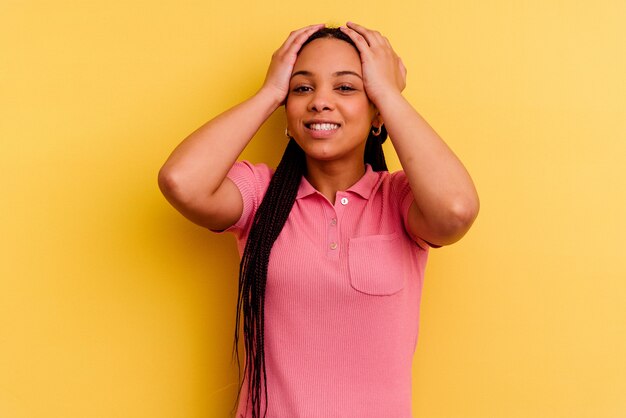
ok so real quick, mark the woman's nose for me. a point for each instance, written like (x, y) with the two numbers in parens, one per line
(320, 100)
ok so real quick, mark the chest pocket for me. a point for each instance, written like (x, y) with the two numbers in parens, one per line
(376, 264)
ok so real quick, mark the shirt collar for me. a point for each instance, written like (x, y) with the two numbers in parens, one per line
(363, 187)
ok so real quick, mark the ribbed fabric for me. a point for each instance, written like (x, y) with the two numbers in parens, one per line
(342, 299)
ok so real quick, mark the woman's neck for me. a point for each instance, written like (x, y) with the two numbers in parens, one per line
(329, 177)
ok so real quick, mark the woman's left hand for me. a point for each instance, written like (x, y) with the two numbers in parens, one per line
(383, 70)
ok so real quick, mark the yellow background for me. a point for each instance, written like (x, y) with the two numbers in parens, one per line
(113, 305)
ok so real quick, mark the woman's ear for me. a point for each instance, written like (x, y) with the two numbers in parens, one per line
(378, 120)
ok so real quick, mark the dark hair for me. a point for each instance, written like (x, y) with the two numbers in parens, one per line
(267, 224)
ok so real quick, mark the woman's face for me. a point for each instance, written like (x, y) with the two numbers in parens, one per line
(328, 112)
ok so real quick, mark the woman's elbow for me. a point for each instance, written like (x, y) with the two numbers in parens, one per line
(463, 214)
(465, 211)
(166, 181)
(171, 185)
(459, 217)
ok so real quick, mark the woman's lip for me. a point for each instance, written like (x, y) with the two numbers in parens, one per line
(321, 122)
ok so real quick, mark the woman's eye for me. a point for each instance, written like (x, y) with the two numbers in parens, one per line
(346, 88)
(301, 89)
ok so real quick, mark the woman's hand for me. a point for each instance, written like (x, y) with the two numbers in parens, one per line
(383, 70)
(279, 72)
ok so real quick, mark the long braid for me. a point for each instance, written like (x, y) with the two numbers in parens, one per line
(267, 224)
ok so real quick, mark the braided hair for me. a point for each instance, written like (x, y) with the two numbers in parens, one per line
(267, 224)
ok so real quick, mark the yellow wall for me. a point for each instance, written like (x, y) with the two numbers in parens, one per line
(113, 305)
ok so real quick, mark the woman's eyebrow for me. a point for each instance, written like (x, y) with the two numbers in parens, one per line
(302, 72)
(336, 74)
(340, 73)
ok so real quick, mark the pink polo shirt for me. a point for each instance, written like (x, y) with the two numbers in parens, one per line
(342, 299)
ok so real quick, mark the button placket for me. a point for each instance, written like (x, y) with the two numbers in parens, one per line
(332, 243)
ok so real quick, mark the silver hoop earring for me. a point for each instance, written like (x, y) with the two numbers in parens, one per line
(287, 133)
(376, 131)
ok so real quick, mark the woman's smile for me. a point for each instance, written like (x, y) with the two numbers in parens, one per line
(321, 129)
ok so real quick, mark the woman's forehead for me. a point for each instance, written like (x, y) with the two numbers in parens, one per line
(328, 55)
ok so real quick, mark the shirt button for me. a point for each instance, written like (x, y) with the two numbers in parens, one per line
(344, 201)
(333, 221)
(333, 245)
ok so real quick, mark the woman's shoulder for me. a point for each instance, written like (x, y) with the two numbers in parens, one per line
(396, 181)
(249, 171)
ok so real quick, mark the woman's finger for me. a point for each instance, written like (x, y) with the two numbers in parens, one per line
(299, 36)
(382, 68)
(358, 39)
(283, 60)
(371, 36)
(297, 32)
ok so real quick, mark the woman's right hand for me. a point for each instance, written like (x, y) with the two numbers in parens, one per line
(279, 72)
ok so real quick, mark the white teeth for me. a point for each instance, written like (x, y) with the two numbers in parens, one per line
(323, 126)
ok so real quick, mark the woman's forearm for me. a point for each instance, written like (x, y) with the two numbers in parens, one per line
(199, 164)
(444, 192)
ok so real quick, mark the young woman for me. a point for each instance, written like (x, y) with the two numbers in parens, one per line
(333, 245)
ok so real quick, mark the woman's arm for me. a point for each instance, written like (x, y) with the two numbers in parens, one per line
(446, 202)
(193, 179)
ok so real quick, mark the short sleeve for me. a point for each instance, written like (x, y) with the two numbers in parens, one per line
(252, 181)
(401, 189)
